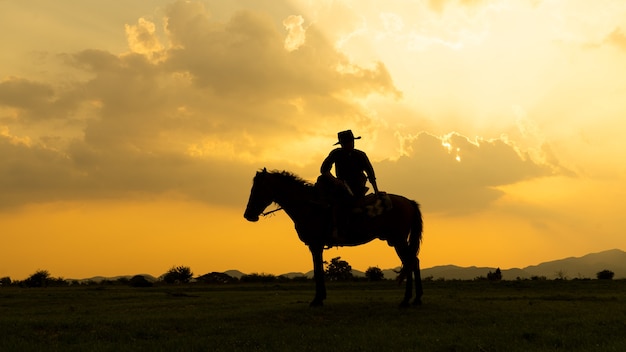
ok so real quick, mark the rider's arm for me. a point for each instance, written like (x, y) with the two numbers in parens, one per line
(327, 164)
(373, 182)
(369, 171)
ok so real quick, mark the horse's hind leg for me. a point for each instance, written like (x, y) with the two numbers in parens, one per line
(418, 283)
(406, 273)
(408, 290)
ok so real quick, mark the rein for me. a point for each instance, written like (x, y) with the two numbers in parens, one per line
(271, 211)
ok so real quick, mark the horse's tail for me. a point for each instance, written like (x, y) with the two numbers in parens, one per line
(417, 227)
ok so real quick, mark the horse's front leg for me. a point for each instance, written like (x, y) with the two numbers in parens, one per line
(318, 273)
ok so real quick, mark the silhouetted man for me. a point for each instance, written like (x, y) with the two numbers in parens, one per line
(352, 166)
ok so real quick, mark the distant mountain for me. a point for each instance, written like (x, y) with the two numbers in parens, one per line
(115, 278)
(582, 267)
(574, 267)
(586, 266)
(234, 273)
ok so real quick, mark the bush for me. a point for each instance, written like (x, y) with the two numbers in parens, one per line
(5, 281)
(40, 278)
(495, 276)
(605, 275)
(374, 274)
(178, 275)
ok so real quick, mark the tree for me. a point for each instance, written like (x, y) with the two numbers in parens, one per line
(374, 274)
(40, 278)
(5, 281)
(495, 276)
(178, 275)
(561, 275)
(605, 275)
(338, 270)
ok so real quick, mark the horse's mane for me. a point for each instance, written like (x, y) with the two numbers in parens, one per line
(291, 178)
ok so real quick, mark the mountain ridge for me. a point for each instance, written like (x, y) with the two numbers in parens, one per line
(586, 266)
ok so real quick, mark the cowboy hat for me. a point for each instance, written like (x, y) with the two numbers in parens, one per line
(346, 136)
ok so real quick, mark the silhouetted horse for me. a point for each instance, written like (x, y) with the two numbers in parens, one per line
(400, 225)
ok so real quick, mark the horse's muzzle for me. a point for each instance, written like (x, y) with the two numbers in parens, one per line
(252, 218)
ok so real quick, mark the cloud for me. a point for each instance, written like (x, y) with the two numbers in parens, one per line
(142, 38)
(33, 101)
(32, 173)
(453, 174)
(296, 35)
(25, 94)
(190, 115)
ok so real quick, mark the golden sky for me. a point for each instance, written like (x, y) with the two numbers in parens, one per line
(130, 131)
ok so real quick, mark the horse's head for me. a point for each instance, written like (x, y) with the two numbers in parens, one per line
(261, 196)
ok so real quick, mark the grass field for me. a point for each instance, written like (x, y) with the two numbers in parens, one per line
(456, 316)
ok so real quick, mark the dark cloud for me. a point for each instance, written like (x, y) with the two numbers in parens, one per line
(448, 180)
(32, 174)
(25, 94)
(35, 101)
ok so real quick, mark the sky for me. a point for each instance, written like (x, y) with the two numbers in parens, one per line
(130, 131)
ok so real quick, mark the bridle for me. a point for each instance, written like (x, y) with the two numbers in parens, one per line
(271, 211)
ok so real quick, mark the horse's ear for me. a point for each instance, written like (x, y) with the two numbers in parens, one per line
(264, 170)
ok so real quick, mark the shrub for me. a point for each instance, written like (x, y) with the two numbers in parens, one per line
(177, 275)
(605, 275)
(5, 281)
(40, 278)
(374, 274)
(495, 276)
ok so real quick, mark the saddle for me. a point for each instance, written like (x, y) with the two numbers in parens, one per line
(372, 205)
(344, 211)
(346, 219)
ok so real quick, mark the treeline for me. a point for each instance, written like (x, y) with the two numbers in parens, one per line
(336, 270)
(497, 276)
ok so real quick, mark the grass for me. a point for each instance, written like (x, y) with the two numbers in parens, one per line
(456, 316)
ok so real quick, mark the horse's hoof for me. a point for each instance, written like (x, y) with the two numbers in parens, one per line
(404, 305)
(417, 302)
